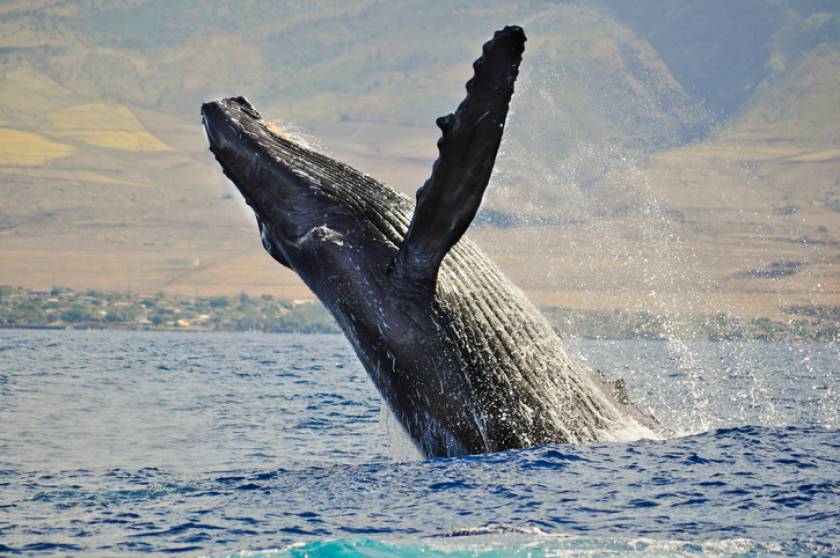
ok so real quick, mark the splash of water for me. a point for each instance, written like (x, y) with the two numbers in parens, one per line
(401, 448)
(628, 224)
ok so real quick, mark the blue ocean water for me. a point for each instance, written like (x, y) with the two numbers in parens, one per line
(115, 443)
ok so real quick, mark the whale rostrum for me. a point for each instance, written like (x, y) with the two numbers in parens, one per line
(461, 357)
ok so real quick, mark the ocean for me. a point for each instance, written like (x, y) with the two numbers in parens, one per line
(232, 444)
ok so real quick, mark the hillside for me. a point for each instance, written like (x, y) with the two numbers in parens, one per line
(645, 166)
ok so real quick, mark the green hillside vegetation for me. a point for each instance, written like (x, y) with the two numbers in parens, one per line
(396, 61)
(724, 52)
(798, 106)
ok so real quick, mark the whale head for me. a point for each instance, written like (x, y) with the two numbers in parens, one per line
(337, 228)
(294, 192)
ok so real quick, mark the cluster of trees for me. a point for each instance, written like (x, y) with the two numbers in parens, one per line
(811, 323)
(265, 313)
(96, 309)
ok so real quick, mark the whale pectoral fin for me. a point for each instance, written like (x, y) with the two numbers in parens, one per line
(448, 201)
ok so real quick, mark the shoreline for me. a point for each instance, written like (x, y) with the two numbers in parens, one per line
(565, 336)
(60, 309)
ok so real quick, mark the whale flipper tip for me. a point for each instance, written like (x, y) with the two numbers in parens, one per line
(449, 200)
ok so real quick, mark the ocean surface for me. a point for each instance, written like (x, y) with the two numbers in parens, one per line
(115, 443)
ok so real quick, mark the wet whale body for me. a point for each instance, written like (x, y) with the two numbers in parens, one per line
(464, 361)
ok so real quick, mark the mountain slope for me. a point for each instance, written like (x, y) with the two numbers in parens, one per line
(633, 124)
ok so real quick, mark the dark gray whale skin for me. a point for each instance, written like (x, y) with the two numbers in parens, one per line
(462, 358)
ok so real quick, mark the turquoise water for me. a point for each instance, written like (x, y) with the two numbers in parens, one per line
(115, 443)
(519, 546)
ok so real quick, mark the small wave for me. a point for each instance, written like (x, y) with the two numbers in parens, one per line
(490, 542)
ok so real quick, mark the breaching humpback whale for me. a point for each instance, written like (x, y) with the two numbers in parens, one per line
(464, 361)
